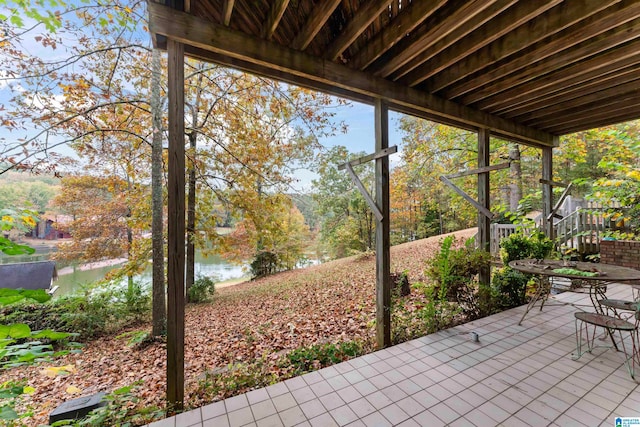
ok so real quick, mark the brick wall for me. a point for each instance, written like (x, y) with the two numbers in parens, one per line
(620, 252)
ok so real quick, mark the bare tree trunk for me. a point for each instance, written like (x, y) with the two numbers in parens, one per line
(191, 218)
(190, 261)
(159, 310)
(515, 187)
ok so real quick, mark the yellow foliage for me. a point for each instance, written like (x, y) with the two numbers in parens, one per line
(634, 174)
(53, 371)
(73, 390)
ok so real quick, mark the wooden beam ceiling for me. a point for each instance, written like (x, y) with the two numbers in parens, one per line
(526, 69)
(454, 15)
(314, 24)
(407, 20)
(578, 33)
(227, 10)
(208, 36)
(275, 15)
(503, 24)
(370, 11)
(545, 25)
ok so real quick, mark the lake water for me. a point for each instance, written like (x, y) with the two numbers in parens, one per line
(212, 266)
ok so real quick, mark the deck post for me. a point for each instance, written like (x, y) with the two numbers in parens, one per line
(484, 222)
(383, 257)
(176, 228)
(547, 191)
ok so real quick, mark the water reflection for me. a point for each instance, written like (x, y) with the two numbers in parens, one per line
(75, 278)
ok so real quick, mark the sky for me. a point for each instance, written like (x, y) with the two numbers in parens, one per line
(360, 136)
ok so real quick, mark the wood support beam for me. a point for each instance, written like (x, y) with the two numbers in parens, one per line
(369, 157)
(480, 170)
(553, 183)
(367, 197)
(481, 209)
(547, 191)
(577, 73)
(227, 9)
(484, 190)
(315, 22)
(617, 77)
(367, 13)
(275, 15)
(606, 101)
(266, 56)
(554, 211)
(621, 35)
(475, 22)
(383, 229)
(406, 21)
(176, 228)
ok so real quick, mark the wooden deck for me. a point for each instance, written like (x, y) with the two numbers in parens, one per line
(514, 376)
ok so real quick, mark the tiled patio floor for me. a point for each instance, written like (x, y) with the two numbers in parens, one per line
(515, 376)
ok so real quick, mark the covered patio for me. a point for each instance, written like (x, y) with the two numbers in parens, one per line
(514, 376)
(523, 71)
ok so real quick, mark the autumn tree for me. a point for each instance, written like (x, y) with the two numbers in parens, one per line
(86, 82)
(347, 225)
(251, 135)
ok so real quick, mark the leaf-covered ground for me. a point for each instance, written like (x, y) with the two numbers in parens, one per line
(265, 318)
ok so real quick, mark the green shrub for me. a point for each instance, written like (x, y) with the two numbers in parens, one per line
(202, 290)
(89, 315)
(519, 246)
(510, 288)
(454, 275)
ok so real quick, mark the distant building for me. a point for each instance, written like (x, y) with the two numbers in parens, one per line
(50, 227)
(29, 275)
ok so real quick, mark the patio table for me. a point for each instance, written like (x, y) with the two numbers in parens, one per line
(546, 269)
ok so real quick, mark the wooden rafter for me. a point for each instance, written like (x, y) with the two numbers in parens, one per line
(235, 45)
(365, 16)
(545, 25)
(594, 25)
(406, 21)
(596, 101)
(456, 34)
(571, 75)
(556, 207)
(314, 24)
(607, 80)
(275, 15)
(227, 9)
(601, 115)
(612, 39)
(369, 157)
(498, 27)
(445, 21)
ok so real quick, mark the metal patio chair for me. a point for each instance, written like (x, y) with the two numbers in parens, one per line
(611, 324)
